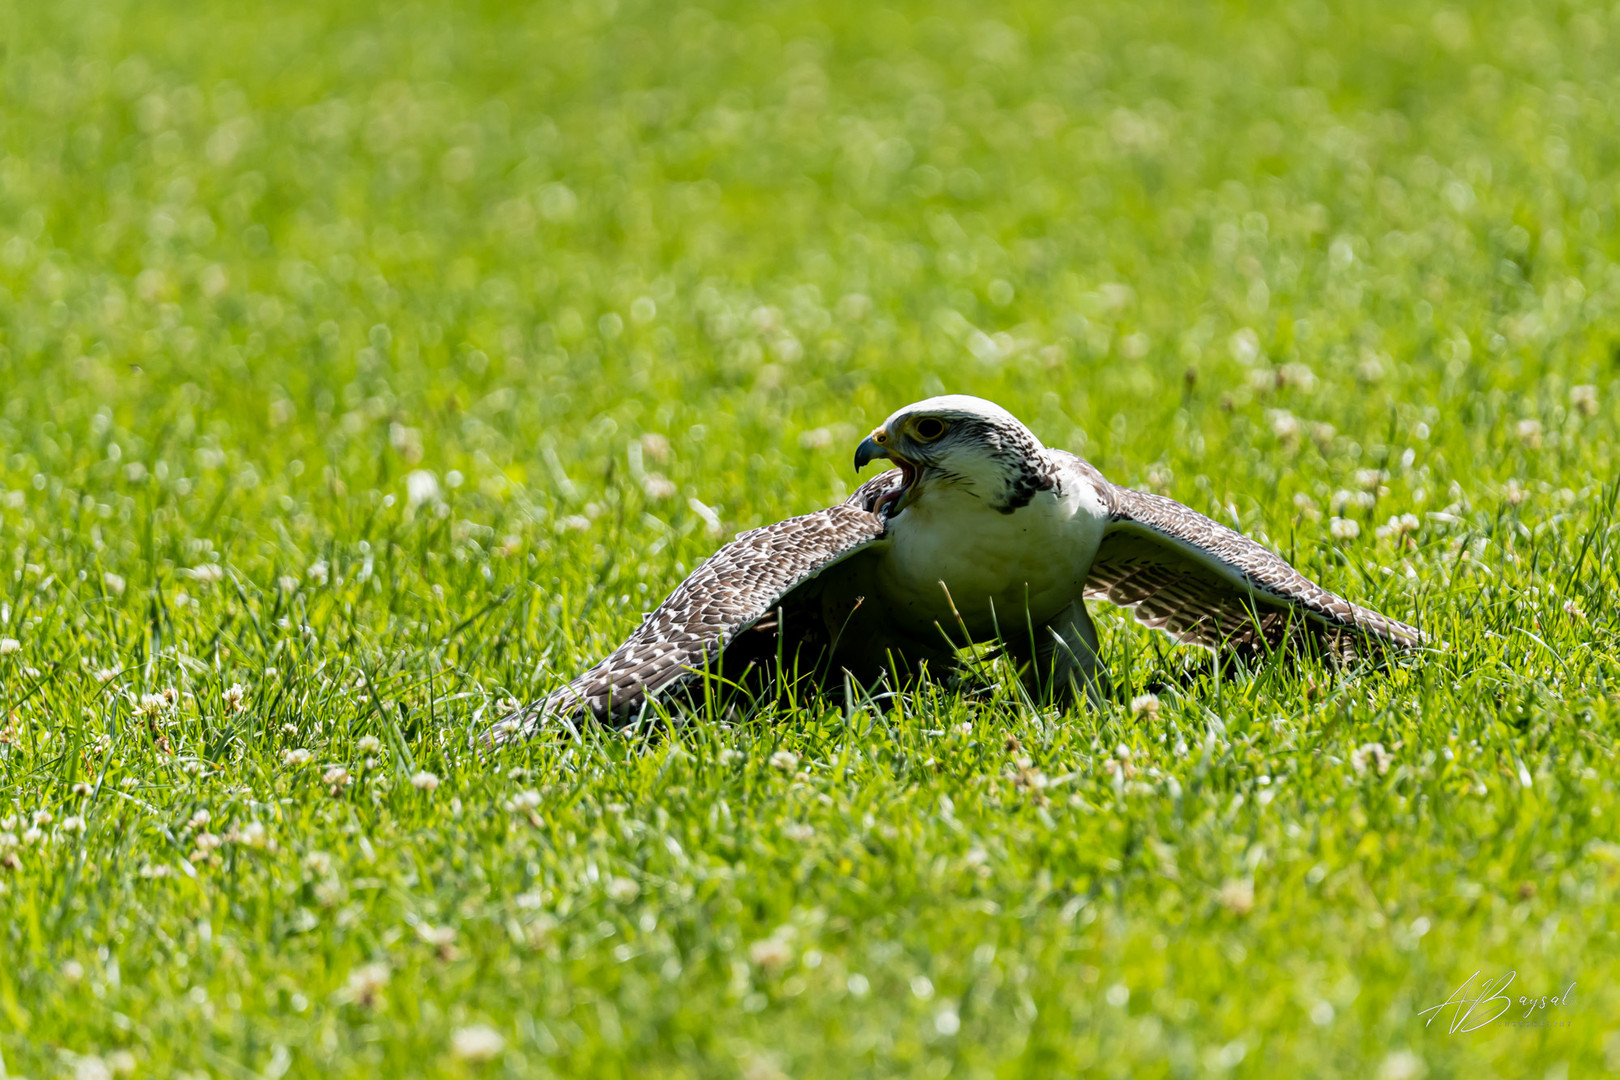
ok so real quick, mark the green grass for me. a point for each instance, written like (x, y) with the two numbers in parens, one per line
(599, 276)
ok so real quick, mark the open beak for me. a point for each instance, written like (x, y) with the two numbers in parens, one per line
(869, 449)
(872, 448)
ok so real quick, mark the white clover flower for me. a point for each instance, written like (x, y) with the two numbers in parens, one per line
(81, 788)
(91, 1067)
(478, 1042)
(296, 756)
(335, 776)
(252, 834)
(526, 800)
(1402, 1065)
(1343, 529)
(424, 781)
(964, 729)
(207, 573)
(1244, 345)
(33, 835)
(1284, 424)
(658, 486)
(106, 675)
(9, 645)
(43, 817)
(1398, 526)
(366, 983)
(816, 438)
(770, 954)
(421, 486)
(236, 697)
(441, 937)
(622, 890)
(785, 760)
(199, 819)
(1530, 433)
(1237, 896)
(655, 446)
(1585, 399)
(1145, 705)
(206, 842)
(1371, 752)
(368, 744)
(1353, 500)
(74, 823)
(113, 582)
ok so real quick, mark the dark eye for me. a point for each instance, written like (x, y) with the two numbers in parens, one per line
(929, 428)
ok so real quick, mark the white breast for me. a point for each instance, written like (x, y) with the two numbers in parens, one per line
(1006, 570)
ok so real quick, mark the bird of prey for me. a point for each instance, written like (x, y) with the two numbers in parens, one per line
(981, 533)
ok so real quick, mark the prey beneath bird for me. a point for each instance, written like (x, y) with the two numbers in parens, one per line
(981, 533)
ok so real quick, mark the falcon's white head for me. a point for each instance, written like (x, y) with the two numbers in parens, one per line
(960, 442)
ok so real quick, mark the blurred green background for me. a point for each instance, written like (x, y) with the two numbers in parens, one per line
(422, 347)
(285, 229)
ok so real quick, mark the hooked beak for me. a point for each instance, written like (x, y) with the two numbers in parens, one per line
(871, 448)
(893, 501)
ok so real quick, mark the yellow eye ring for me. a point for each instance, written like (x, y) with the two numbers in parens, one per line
(928, 428)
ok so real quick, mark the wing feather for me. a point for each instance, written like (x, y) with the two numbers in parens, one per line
(731, 591)
(1204, 583)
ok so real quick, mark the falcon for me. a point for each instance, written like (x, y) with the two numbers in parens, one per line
(980, 534)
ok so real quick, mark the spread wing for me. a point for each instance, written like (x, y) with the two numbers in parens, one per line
(1206, 584)
(732, 590)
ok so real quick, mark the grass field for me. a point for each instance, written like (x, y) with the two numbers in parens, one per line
(364, 366)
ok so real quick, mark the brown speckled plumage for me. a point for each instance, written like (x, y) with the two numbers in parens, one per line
(807, 590)
(1204, 583)
(732, 590)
